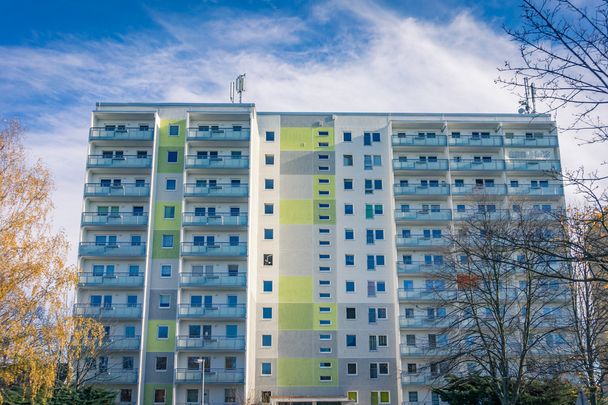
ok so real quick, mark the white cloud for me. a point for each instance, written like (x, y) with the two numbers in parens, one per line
(376, 62)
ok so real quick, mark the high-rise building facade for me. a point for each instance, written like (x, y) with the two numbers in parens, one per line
(241, 257)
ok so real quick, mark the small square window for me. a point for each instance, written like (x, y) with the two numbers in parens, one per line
(266, 369)
(348, 136)
(167, 241)
(267, 286)
(170, 184)
(162, 332)
(269, 184)
(351, 368)
(165, 270)
(266, 340)
(269, 160)
(348, 160)
(267, 313)
(348, 184)
(348, 209)
(164, 301)
(268, 259)
(350, 286)
(268, 234)
(351, 313)
(173, 130)
(349, 260)
(169, 212)
(349, 234)
(269, 136)
(351, 340)
(159, 396)
(161, 363)
(172, 156)
(268, 208)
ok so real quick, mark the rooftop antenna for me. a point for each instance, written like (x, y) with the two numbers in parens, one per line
(533, 96)
(237, 86)
(530, 94)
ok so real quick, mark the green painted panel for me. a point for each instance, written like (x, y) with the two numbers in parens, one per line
(295, 289)
(159, 252)
(166, 140)
(164, 345)
(299, 139)
(149, 393)
(164, 166)
(318, 212)
(161, 223)
(331, 316)
(331, 186)
(329, 139)
(295, 316)
(305, 372)
(296, 212)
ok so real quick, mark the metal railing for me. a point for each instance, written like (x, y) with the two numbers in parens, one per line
(217, 162)
(443, 189)
(219, 280)
(112, 311)
(114, 218)
(217, 249)
(125, 280)
(126, 134)
(218, 190)
(122, 190)
(215, 311)
(236, 343)
(218, 219)
(112, 249)
(414, 140)
(212, 376)
(220, 134)
(122, 162)
(440, 164)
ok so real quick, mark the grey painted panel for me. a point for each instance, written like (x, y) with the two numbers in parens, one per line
(311, 120)
(295, 247)
(297, 163)
(155, 312)
(294, 187)
(162, 194)
(154, 278)
(159, 377)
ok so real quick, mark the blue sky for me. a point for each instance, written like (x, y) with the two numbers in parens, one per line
(60, 57)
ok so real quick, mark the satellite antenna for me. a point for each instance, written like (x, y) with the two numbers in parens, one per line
(237, 86)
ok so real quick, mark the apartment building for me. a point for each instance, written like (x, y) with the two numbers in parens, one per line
(237, 256)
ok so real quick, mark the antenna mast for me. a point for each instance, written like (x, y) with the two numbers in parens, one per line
(237, 86)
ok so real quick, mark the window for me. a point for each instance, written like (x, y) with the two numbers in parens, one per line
(169, 212)
(348, 209)
(266, 340)
(269, 209)
(269, 136)
(170, 184)
(268, 234)
(266, 313)
(353, 396)
(269, 159)
(347, 136)
(325, 295)
(229, 395)
(172, 156)
(125, 395)
(159, 396)
(412, 396)
(267, 286)
(167, 241)
(351, 368)
(161, 363)
(266, 369)
(348, 184)
(269, 184)
(325, 350)
(165, 270)
(192, 395)
(351, 340)
(162, 332)
(164, 301)
(173, 130)
(351, 313)
(348, 160)
(349, 260)
(324, 336)
(324, 282)
(350, 286)
(268, 259)
(349, 234)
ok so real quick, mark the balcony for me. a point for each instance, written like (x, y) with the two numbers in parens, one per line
(212, 376)
(425, 191)
(419, 267)
(524, 141)
(122, 190)
(216, 343)
(219, 311)
(219, 134)
(115, 280)
(424, 322)
(218, 190)
(476, 215)
(116, 249)
(534, 165)
(422, 351)
(477, 165)
(476, 190)
(420, 241)
(222, 249)
(415, 140)
(121, 134)
(475, 141)
(110, 311)
(121, 219)
(220, 219)
(423, 294)
(216, 280)
(113, 376)
(217, 162)
(420, 379)
(119, 162)
(441, 164)
(423, 215)
(551, 190)
(122, 343)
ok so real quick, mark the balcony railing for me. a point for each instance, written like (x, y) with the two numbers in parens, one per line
(109, 311)
(420, 379)
(122, 162)
(550, 190)
(418, 267)
(114, 219)
(212, 376)
(216, 280)
(211, 343)
(424, 322)
(122, 190)
(420, 240)
(479, 190)
(219, 219)
(122, 134)
(220, 134)
(466, 165)
(217, 162)
(418, 351)
(414, 140)
(117, 343)
(473, 214)
(423, 215)
(423, 294)
(421, 190)
(519, 141)
(119, 280)
(470, 140)
(534, 165)
(112, 376)
(218, 190)
(217, 249)
(116, 249)
(441, 164)
(216, 311)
